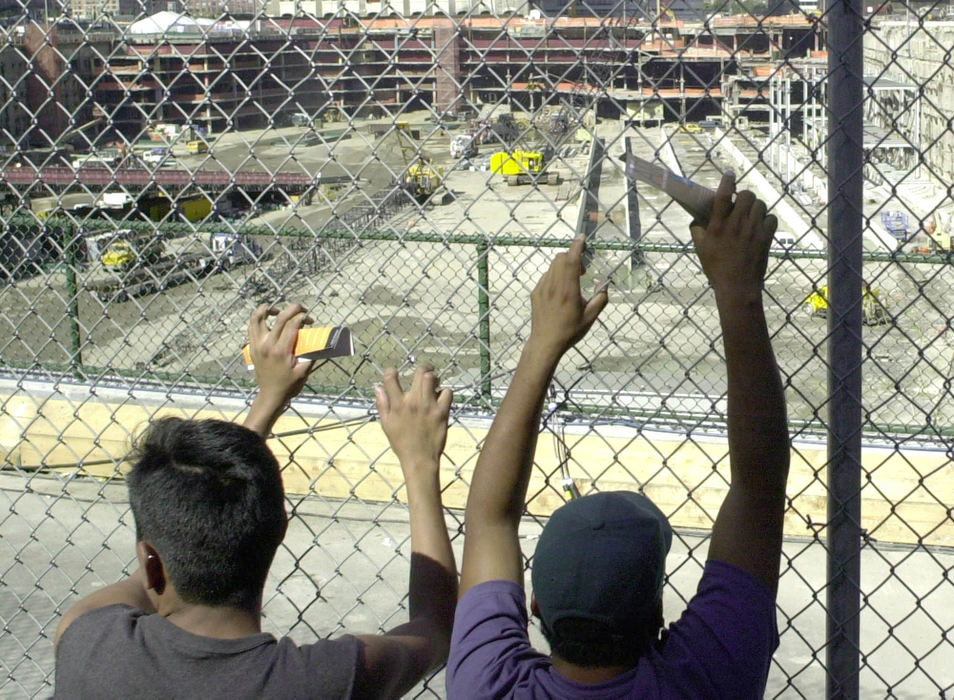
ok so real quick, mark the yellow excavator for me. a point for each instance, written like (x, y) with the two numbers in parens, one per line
(420, 179)
(873, 312)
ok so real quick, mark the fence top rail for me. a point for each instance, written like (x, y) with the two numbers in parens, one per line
(488, 240)
(163, 177)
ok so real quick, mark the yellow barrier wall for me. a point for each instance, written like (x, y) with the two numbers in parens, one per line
(687, 479)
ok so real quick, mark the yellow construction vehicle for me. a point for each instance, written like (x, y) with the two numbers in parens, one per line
(930, 241)
(942, 240)
(522, 167)
(197, 146)
(119, 254)
(873, 312)
(124, 253)
(420, 179)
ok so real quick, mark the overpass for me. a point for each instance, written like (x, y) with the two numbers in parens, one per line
(60, 177)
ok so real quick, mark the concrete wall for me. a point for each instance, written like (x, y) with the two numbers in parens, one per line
(907, 53)
(77, 431)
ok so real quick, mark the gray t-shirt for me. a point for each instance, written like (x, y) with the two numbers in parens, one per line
(120, 652)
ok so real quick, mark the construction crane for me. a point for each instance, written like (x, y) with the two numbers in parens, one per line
(77, 130)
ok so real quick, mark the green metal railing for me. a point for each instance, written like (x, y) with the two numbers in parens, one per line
(69, 234)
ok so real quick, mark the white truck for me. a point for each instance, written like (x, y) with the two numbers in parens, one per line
(463, 146)
(230, 249)
(158, 156)
(92, 160)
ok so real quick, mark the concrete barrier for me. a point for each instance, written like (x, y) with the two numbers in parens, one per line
(81, 431)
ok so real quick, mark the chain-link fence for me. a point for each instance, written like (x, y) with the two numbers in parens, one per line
(408, 170)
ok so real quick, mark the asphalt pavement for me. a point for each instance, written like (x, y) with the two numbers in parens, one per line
(343, 569)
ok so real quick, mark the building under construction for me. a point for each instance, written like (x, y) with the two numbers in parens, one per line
(238, 75)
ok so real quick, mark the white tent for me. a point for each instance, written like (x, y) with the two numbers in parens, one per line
(170, 23)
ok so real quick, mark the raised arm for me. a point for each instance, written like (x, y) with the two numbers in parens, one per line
(733, 249)
(560, 316)
(278, 373)
(415, 423)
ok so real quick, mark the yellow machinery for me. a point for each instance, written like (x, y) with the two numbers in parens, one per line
(122, 254)
(516, 163)
(192, 209)
(119, 254)
(197, 146)
(928, 241)
(420, 179)
(872, 310)
(522, 167)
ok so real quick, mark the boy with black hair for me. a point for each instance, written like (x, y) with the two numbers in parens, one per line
(599, 566)
(209, 508)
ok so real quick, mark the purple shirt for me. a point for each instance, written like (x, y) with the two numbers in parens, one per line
(721, 647)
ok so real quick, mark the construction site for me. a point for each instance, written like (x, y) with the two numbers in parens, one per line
(410, 179)
(290, 222)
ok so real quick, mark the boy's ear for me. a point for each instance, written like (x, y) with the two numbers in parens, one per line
(151, 565)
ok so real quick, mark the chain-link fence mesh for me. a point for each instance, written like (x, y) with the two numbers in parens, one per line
(408, 170)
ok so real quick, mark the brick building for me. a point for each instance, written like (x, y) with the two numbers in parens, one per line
(59, 98)
(14, 114)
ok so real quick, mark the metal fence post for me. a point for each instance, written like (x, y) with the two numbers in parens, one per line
(634, 225)
(483, 312)
(587, 220)
(845, 222)
(68, 241)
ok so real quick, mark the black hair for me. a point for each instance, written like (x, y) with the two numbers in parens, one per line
(208, 496)
(591, 643)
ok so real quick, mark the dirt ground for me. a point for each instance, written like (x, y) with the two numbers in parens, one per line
(409, 302)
